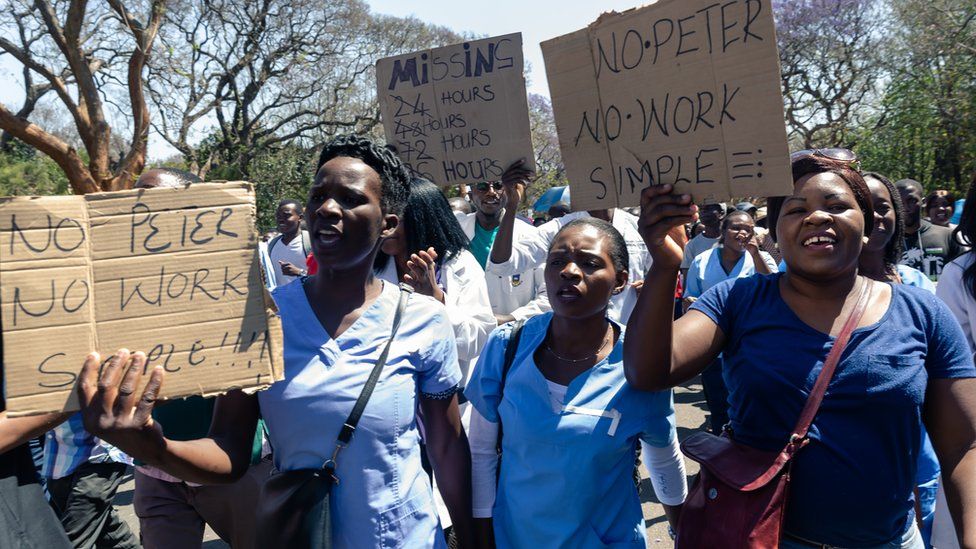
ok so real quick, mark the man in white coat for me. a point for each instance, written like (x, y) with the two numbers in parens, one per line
(512, 254)
(514, 296)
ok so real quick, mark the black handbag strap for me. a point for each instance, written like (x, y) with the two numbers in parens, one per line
(510, 349)
(349, 427)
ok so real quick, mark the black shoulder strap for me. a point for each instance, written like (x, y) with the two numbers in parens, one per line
(510, 350)
(306, 242)
(271, 244)
(345, 435)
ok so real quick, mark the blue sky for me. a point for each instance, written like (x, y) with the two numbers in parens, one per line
(537, 20)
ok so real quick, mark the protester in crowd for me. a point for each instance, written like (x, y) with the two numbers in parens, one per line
(288, 250)
(926, 247)
(736, 256)
(879, 261)
(335, 325)
(512, 297)
(957, 288)
(570, 423)
(539, 220)
(712, 214)
(429, 251)
(938, 208)
(173, 513)
(851, 485)
(26, 519)
(881, 253)
(460, 205)
(509, 257)
(83, 475)
(747, 207)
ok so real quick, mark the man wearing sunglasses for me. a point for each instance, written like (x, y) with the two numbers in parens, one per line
(515, 296)
(926, 247)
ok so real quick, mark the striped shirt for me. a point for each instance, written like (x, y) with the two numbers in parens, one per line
(69, 445)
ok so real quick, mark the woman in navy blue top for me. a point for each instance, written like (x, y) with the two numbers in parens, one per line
(907, 362)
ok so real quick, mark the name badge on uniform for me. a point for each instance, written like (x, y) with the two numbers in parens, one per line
(611, 414)
(516, 280)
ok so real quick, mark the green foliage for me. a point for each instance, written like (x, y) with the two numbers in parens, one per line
(926, 129)
(25, 172)
(277, 175)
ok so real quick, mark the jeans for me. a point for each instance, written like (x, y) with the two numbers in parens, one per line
(911, 539)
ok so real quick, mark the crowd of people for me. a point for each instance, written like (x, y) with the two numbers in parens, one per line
(514, 377)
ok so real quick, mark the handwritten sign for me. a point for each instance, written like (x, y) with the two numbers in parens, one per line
(682, 91)
(457, 114)
(172, 272)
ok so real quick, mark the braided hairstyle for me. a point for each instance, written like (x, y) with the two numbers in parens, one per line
(892, 251)
(394, 178)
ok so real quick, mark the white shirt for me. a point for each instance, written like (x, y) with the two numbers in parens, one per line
(531, 251)
(468, 308)
(522, 294)
(952, 290)
(695, 247)
(293, 252)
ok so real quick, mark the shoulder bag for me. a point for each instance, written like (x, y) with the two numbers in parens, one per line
(741, 493)
(293, 510)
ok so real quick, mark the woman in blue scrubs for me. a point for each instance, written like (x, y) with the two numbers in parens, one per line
(335, 326)
(907, 362)
(570, 422)
(737, 256)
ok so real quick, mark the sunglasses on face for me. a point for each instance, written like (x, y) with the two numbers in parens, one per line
(846, 156)
(484, 185)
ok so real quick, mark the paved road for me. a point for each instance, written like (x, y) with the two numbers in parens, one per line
(691, 416)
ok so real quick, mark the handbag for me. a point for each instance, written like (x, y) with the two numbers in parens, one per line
(740, 497)
(293, 510)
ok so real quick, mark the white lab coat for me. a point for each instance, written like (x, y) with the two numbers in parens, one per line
(521, 295)
(531, 250)
(466, 299)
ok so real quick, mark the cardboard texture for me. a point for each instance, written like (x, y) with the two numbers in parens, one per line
(171, 272)
(682, 91)
(457, 114)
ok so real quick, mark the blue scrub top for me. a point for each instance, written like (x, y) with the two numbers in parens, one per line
(852, 485)
(706, 271)
(566, 479)
(383, 498)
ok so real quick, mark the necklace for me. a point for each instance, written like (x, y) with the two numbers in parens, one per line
(575, 360)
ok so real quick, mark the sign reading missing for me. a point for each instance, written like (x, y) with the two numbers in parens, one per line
(457, 114)
(682, 91)
(172, 272)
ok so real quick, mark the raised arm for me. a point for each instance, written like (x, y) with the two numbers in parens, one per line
(651, 362)
(113, 412)
(515, 179)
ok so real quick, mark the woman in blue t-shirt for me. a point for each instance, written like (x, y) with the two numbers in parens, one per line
(335, 326)
(570, 423)
(907, 360)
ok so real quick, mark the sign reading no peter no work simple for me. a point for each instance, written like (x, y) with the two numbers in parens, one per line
(172, 272)
(681, 91)
(457, 114)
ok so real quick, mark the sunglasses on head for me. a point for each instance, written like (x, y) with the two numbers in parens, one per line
(846, 156)
(483, 186)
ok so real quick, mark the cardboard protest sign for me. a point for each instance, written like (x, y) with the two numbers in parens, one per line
(171, 272)
(457, 114)
(682, 91)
